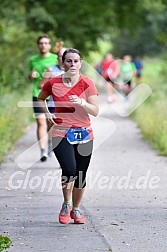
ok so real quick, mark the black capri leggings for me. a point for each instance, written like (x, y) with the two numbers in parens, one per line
(73, 159)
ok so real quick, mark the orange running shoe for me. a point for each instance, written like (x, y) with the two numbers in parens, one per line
(64, 215)
(77, 216)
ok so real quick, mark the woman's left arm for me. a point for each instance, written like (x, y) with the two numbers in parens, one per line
(92, 105)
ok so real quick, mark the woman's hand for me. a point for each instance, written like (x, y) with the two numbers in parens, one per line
(74, 99)
(50, 118)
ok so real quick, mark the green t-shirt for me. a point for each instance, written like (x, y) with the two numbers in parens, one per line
(127, 70)
(40, 64)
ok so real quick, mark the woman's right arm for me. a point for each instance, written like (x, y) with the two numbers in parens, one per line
(43, 105)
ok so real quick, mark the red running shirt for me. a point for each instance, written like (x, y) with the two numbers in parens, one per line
(110, 69)
(69, 115)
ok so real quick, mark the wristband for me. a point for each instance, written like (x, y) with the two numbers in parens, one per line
(83, 102)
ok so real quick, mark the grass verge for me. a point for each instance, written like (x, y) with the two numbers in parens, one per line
(152, 115)
(13, 119)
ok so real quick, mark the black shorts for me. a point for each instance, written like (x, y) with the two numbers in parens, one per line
(73, 159)
(38, 110)
(138, 75)
(110, 80)
(128, 83)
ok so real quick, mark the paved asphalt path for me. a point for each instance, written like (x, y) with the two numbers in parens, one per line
(124, 203)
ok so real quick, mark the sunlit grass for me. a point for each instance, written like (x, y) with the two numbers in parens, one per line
(13, 120)
(152, 115)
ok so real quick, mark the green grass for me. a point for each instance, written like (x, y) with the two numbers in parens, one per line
(152, 115)
(13, 119)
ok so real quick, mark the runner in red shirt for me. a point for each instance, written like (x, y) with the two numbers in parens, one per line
(75, 97)
(110, 72)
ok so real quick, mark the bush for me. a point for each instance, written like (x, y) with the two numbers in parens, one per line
(5, 243)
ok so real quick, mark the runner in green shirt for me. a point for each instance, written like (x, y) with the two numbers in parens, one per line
(38, 65)
(128, 70)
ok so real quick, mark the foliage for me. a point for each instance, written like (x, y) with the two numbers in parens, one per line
(13, 120)
(126, 43)
(78, 23)
(5, 243)
(152, 115)
(82, 23)
(11, 55)
(150, 34)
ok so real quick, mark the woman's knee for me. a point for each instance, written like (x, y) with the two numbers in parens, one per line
(80, 181)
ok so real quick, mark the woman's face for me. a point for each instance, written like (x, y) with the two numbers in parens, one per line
(72, 63)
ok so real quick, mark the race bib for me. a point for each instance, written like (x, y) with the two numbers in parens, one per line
(78, 135)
